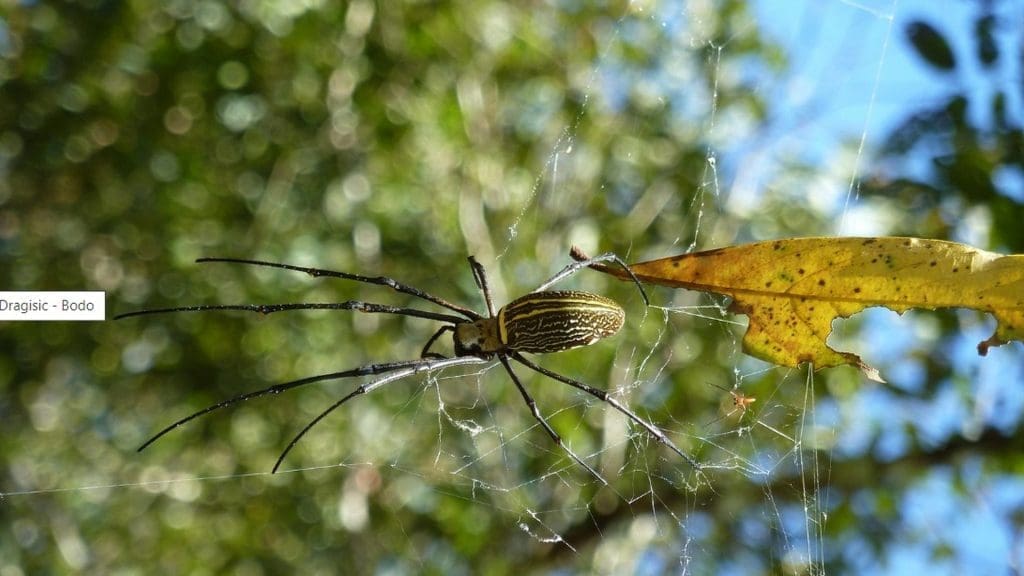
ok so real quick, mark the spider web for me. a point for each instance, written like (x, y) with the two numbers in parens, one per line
(829, 102)
(762, 445)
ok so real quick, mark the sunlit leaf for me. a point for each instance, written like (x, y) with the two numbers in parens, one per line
(793, 289)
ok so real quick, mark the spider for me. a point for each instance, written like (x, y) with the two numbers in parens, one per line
(540, 322)
(740, 403)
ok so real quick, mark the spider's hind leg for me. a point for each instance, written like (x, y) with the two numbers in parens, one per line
(532, 404)
(607, 398)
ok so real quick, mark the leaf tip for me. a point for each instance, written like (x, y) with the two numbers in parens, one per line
(870, 372)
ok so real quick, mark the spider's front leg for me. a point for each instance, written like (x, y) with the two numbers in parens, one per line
(426, 353)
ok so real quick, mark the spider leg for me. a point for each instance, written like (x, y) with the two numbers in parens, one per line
(605, 397)
(578, 265)
(481, 281)
(407, 369)
(740, 402)
(278, 388)
(426, 353)
(544, 423)
(356, 305)
(378, 280)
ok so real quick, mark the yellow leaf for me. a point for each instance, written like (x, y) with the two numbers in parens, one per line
(793, 289)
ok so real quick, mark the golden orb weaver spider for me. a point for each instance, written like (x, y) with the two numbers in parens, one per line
(540, 322)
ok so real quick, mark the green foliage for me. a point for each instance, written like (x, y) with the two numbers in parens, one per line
(397, 138)
(391, 138)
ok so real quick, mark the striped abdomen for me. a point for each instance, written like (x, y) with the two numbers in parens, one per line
(554, 321)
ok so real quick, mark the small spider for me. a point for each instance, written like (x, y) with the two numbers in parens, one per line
(740, 402)
(539, 322)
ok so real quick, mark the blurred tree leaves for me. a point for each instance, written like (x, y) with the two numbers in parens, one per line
(978, 137)
(391, 138)
(397, 138)
(931, 45)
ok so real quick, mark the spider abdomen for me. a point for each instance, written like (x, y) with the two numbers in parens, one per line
(553, 321)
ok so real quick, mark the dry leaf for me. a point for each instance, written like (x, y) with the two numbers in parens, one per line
(793, 289)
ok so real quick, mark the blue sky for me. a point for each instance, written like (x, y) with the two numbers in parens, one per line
(854, 68)
(852, 60)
